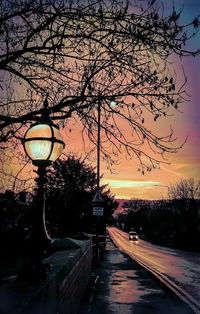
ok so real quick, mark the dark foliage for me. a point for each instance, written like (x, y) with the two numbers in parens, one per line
(167, 222)
(15, 213)
(71, 188)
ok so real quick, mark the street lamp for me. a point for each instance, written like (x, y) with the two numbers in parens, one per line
(43, 144)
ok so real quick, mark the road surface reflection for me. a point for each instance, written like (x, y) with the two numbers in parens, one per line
(182, 268)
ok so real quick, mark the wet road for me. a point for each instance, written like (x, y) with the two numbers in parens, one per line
(180, 267)
(121, 286)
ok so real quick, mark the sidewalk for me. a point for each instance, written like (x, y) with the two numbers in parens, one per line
(120, 286)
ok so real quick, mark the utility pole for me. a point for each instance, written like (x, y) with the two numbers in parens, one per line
(98, 140)
(97, 200)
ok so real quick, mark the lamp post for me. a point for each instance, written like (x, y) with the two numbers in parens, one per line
(43, 144)
(98, 198)
(97, 202)
(98, 141)
(112, 104)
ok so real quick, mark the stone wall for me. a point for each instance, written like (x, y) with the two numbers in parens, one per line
(60, 293)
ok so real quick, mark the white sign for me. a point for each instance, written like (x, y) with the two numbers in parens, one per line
(97, 211)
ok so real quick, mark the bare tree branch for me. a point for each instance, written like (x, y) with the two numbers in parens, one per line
(73, 51)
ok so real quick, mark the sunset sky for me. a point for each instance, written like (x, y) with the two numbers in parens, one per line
(126, 181)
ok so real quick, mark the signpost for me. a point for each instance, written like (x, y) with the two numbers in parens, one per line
(97, 198)
(97, 211)
(97, 204)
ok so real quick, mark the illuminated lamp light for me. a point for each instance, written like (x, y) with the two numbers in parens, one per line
(43, 142)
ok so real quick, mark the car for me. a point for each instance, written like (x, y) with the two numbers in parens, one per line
(133, 236)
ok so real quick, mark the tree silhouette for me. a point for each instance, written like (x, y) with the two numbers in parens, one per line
(185, 189)
(71, 186)
(172, 222)
(80, 52)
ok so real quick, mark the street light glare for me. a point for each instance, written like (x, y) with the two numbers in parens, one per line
(113, 103)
